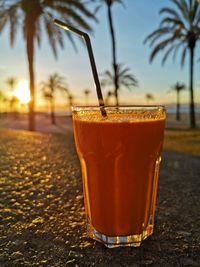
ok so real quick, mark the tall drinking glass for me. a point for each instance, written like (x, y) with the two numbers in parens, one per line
(120, 156)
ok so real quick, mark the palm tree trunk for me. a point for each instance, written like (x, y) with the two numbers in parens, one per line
(192, 108)
(53, 119)
(178, 106)
(113, 53)
(86, 99)
(30, 55)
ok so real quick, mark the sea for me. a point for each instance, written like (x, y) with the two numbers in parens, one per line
(172, 110)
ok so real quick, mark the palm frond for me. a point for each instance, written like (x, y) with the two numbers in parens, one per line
(54, 83)
(170, 11)
(183, 56)
(160, 46)
(157, 33)
(59, 7)
(130, 79)
(178, 86)
(182, 7)
(105, 82)
(128, 85)
(71, 39)
(17, 13)
(3, 21)
(176, 49)
(196, 20)
(96, 10)
(124, 75)
(11, 82)
(70, 11)
(65, 12)
(167, 53)
(173, 21)
(81, 7)
(50, 28)
(108, 74)
(194, 9)
(121, 71)
(56, 31)
(38, 33)
(107, 78)
(10, 15)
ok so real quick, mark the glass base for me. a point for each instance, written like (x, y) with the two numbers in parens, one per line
(134, 240)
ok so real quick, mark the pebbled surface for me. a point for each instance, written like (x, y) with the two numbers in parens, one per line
(42, 215)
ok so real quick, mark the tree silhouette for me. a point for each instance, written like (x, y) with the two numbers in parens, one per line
(54, 83)
(109, 4)
(34, 16)
(2, 96)
(178, 87)
(179, 29)
(70, 99)
(11, 82)
(124, 76)
(13, 102)
(149, 97)
(109, 94)
(86, 93)
(4, 100)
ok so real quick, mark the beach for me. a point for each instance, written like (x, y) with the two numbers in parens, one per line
(42, 219)
(178, 136)
(19, 121)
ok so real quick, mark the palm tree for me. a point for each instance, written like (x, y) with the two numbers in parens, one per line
(11, 82)
(149, 97)
(109, 94)
(125, 79)
(32, 16)
(1, 100)
(109, 4)
(54, 83)
(179, 29)
(13, 102)
(86, 93)
(4, 100)
(71, 100)
(178, 87)
(70, 97)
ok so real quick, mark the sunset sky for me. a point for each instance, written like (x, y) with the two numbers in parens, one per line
(132, 24)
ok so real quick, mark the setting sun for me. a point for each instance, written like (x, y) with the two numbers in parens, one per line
(22, 92)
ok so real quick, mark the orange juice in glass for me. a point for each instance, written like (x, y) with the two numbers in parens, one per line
(120, 156)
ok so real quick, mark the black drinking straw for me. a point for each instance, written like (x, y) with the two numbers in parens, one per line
(86, 38)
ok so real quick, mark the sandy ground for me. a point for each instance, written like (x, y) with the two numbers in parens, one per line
(43, 123)
(42, 220)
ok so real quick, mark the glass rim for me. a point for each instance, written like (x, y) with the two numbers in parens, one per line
(107, 107)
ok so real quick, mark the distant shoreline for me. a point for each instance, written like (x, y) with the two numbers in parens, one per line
(170, 110)
(19, 121)
(183, 110)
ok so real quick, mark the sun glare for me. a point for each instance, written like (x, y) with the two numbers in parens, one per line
(22, 92)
